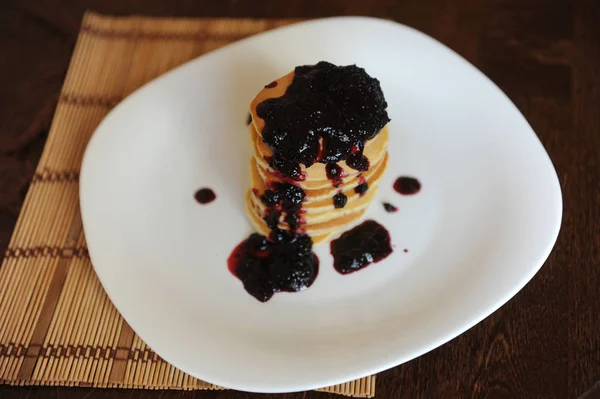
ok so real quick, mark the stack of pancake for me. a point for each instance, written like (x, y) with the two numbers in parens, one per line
(319, 216)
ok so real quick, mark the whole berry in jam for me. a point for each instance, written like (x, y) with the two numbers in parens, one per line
(358, 162)
(287, 168)
(292, 196)
(361, 189)
(272, 218)
(270, 198)
(277, 236)
(257, 243)
(340, 200)
(293, 220)
(334, 171)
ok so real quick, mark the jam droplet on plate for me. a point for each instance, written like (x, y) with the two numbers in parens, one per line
(389, 207)
(205, 195)
(406, 185)
(367, 243)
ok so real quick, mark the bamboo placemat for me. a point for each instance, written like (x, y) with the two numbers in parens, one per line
(57, 325)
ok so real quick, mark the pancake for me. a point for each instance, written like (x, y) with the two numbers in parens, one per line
(371, 176)
(374, 150)
(262, 228)
(320, 200)
(329, 212)
(325, 206)
(314, 230)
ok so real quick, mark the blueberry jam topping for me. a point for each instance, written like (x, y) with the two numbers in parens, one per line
(367, 243)
(287, 168)
(270, 198)
(389, 207)
(293, 220)
(361, 189)
(407, 185)
(358, 161)
(258, 244)
(271, 85)
(342, 105)
(334, 172)
(285, 263)
(287, 195)
(292, 196)
(205, 195)
(272, 218)
(340, 200)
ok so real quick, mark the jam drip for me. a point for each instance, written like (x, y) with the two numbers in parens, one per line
(367, 243)
(335, 173)
(205, 195)
(342, 105)
(340, 200)
(407, 185)
(389, 207)
(362, 187)
(282, 262)
(286, 197)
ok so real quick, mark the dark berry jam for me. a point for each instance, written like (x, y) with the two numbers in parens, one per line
(367, 243)
(288, 169)
(292, 196)
(389, 207)
(271, 85)
(405, 250)
(293, 220)
(285, 263)
(342, 105)
(272, 218)
(334, 173)
(358, 161)
(407, 185)
(285, 196)
(340, 200)
(270, 198)
(205, 195)
(361, 189)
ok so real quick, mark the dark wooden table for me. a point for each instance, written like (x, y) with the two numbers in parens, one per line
(545, 54)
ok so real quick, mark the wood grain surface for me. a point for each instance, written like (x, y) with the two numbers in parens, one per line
(545, 54)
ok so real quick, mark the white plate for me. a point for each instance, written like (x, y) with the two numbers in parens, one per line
(483, 224)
